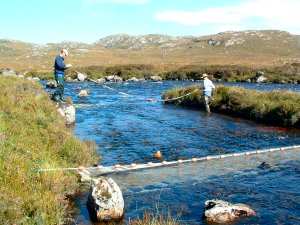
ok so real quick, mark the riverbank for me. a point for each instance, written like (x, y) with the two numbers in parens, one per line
(269, 107)
(33, 136)
(281, 74)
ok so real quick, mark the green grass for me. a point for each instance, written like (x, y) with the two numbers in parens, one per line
(33, 136)
(270, 107)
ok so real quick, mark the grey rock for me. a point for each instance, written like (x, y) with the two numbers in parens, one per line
(261, 79)
(156, 78)
(113, 79)
(218, 211)
(105, 201)
(51, 85)
(67, 110)
(83, 93)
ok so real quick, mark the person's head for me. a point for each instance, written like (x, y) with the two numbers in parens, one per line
(64, 52)
(204, 76)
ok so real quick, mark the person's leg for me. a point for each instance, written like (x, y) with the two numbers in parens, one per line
(57, 96)
(206, 102)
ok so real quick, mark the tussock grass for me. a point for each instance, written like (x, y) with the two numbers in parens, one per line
(33, 136)
(156, 218)
(270, 107)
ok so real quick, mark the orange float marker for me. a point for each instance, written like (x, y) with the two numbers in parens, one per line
(194, 159)
(247, 153)
(179, 160)
(117, 166)
(133, 165)
(235, 155)
(100, 167)
(258, 152)
(208, 158)
(81, 167)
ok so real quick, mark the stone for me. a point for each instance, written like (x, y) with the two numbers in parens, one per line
(9, 72)
(100, 81)
(133, 79)
(114, 79)
(69, 79)
(36, 79)
(83, 93)
(261, 79)
(51, 85)
(81, 76)
(156, 78)
(218, 211)
(105, 201)
(67, 110)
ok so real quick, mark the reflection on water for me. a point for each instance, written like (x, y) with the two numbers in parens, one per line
(132, 129)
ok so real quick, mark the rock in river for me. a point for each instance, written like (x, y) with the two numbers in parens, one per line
(218, 211)
(105, 201)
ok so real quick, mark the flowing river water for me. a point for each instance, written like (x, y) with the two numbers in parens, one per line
(131, 129)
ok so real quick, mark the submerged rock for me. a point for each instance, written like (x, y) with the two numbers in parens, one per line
(264, 166)
(67, 110)
(218, 211)
(83, 93)
(105, 201)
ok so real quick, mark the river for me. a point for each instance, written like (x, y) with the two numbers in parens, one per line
(130, 129)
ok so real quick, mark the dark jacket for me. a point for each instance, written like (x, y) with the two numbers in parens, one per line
(59, 65)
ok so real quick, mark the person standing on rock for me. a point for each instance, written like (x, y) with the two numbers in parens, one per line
(208, 87)
(59, 73)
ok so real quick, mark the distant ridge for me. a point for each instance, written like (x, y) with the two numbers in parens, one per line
(253, 47)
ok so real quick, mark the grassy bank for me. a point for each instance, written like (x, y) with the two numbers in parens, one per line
(270, 107)
(288, 73)
(33, 136)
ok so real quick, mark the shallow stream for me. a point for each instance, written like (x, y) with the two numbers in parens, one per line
(131, 129)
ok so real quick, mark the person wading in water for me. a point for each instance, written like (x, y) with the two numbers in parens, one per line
(59, 73)
(208, 87)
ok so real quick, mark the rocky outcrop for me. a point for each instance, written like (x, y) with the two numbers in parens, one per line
(218, 211)
(67, 110)
(105, 201)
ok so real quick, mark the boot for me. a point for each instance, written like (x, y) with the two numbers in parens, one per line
(62, 99)
(55, 97)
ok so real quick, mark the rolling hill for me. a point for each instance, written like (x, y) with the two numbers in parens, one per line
(254, 48)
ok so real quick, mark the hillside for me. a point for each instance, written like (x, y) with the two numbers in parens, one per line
(252, 48)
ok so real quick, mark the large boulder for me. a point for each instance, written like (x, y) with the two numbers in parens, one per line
(218, 211)
(67, 110)
(156, 78)
(105, 201)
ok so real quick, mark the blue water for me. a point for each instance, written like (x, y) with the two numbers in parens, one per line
(131, 129)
